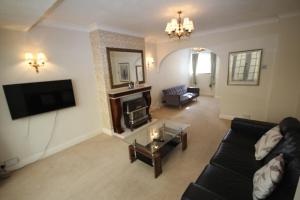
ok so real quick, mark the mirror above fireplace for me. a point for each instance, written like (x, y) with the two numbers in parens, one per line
(125, 65)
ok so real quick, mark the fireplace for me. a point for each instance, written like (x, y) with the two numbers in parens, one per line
(117, 112)
(135, 113)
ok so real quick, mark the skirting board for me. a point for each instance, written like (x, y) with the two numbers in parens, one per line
(155, 107)
(228, 117)
(41, 155)
(207, 94)
(231, 117)
(107, 131)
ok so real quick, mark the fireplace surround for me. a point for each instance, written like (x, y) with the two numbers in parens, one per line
(116, 106)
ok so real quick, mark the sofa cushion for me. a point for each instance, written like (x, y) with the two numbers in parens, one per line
(266, 178)
(180, 90)
(236, 159)
(225, 183)
(247, 126)
(245, 141)
(267, 142)
(187, 96)
(289, 124)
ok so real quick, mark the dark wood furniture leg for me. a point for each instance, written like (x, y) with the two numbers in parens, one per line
(147, 97)
(183, 141)
(156, 159)
(132, 157)
(116, 112)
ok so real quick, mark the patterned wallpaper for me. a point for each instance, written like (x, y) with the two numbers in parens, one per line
(99, 41)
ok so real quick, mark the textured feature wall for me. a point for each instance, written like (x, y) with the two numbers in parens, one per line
(99, 41)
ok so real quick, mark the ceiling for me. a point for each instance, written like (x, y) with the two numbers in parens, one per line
(149, 17)
(21, 15)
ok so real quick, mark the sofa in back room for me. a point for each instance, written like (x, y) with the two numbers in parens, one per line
(229, 175)
(179, 95)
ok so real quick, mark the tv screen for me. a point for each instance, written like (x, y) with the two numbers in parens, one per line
(34, 98)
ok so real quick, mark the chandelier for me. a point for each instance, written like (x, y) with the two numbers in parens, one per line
(179, 28)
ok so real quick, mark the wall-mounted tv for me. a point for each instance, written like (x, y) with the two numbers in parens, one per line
(28, 99)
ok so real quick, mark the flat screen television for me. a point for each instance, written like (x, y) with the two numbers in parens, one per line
(28, 99)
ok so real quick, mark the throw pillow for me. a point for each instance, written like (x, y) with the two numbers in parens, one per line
(267, 142)
(266, 178)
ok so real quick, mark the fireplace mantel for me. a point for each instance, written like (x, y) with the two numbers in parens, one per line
(116, 107)
(118, 93)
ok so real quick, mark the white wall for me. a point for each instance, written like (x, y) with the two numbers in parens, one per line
(173, 71)
(69, 57)
(278, 81)
(285, 93)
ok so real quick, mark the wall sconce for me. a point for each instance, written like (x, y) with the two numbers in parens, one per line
(35, 61)
(150, 61)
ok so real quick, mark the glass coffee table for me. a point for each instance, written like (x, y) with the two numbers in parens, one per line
(152, 143)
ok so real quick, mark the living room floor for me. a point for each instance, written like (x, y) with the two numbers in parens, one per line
(99, 168)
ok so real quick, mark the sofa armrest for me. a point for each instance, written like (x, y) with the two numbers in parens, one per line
(251, 126)
(172, 99)
(193, 90)
(197, 192)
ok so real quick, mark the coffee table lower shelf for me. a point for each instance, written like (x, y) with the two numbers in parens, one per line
(153, 159)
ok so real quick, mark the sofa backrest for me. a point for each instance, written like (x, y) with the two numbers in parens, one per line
(178, 90)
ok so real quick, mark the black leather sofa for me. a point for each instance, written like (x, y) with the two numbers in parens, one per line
(230, 172)
(179, 95)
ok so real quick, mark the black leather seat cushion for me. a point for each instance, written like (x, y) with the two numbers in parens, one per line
(244, 141)
(236, 159)
(225, 183)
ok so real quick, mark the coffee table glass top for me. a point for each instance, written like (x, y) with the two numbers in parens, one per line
(156, 135)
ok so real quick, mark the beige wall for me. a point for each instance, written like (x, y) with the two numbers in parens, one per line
(173, 71)
(285, 93)
(99, 41)
(69, 57)
(256, 102)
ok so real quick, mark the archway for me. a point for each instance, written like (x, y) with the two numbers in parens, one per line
(175, 68)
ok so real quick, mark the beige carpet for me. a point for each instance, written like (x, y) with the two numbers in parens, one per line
(100, 169)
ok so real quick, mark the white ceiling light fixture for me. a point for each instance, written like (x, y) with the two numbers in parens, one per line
(180, 28)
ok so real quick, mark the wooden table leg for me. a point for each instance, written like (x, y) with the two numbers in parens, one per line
(183, 141)
(132, 156)
(157, 164)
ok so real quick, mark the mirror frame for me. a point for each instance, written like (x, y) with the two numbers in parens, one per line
(110, 49)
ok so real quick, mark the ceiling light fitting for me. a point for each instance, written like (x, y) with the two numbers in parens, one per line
(180, 28)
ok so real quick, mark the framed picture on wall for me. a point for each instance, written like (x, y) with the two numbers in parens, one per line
(124, 72)
(244, 67)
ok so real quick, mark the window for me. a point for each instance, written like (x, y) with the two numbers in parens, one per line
(204, 63)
